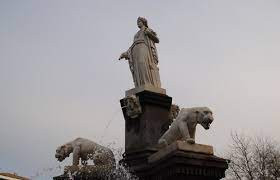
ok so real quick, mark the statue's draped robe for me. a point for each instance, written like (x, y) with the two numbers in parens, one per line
(143, 61)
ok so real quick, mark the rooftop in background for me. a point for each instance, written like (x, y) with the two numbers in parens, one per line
(10, 176)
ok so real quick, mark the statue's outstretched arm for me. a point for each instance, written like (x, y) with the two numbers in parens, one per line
(124, 55)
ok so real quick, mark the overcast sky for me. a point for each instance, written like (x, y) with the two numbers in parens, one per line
(60, 77)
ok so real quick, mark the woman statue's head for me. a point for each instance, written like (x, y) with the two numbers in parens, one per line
(141, 21)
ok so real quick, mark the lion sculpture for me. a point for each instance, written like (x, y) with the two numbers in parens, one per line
(184, 127)
(85, 150)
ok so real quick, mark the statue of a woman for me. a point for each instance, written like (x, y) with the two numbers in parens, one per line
(142, 56)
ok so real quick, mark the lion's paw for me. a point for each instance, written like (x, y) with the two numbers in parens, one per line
(190, 141)
(162, 143)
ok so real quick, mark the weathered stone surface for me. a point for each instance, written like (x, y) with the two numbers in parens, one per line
(186, 165)
(85, 150)
(181, 165)
(133, 106)
(144, 131)
(142, 56)
(181, 146)
(137, 159)
(145, 87)
(184, 127)
(179, 160)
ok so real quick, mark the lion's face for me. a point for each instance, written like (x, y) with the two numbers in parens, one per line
(205, 118)
(61, 153)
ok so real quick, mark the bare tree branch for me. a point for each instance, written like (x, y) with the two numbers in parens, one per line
(253, 158)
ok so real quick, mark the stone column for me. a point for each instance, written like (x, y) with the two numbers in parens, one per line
(179, 160)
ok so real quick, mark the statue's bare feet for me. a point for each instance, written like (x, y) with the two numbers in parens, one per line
(190, 141)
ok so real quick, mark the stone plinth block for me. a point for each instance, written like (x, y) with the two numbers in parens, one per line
(144, 131)
(181, 160)
(145, 88)
(182, 146)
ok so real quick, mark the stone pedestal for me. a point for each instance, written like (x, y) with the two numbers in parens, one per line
(181, 160)
(144, 131)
